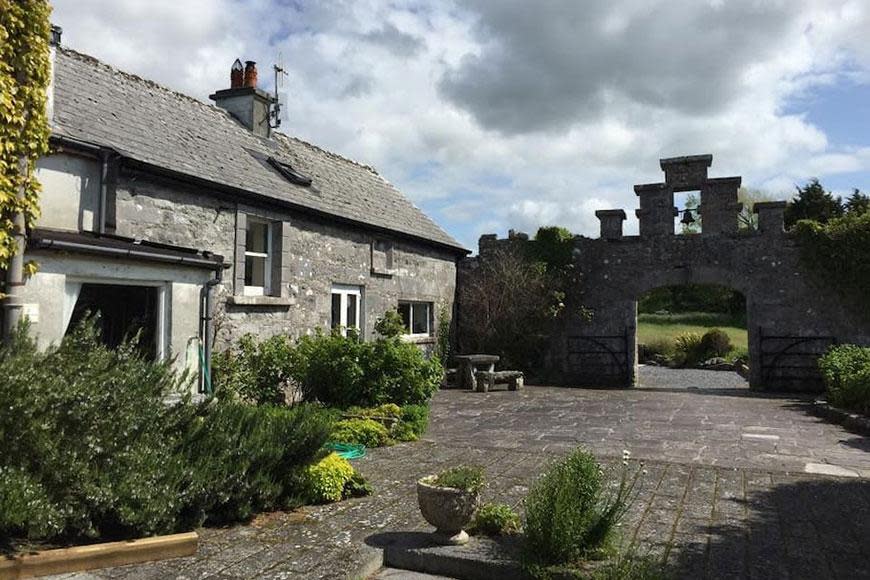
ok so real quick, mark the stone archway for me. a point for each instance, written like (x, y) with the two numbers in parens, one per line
(791, 320)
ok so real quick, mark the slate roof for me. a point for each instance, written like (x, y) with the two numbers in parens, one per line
(151, 124)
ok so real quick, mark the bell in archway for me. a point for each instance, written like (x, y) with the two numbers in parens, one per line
(688, 218)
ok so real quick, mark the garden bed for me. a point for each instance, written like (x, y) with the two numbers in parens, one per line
(103, 555)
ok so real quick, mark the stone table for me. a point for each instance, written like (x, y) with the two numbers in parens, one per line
(469, 363)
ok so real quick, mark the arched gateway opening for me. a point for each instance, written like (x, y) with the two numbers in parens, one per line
(790, 319)
(692, 327)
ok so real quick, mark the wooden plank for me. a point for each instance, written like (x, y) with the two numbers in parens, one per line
(105, 555)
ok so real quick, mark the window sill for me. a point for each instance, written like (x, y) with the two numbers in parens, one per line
(421, 339)
(240, 300)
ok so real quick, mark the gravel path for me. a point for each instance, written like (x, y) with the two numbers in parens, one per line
(652, 377)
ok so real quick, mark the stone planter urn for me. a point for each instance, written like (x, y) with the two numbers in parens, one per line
(448, 509)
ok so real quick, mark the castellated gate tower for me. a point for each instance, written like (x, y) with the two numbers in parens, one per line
(791, 318)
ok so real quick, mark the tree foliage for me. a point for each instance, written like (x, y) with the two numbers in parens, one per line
(857, 204)
(838, 255)
(24, 78)
(813, 202)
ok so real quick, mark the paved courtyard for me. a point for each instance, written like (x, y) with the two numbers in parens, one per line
(737, 485)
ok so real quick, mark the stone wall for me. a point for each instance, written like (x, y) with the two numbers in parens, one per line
(314, 256)
(789, 314)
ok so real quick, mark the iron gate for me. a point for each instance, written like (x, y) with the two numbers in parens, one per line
(601, 360)
(791, 362)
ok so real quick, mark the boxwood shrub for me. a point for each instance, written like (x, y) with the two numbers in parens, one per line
(846, 372)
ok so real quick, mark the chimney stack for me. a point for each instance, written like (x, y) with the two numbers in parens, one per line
(237, 76)
(249, 105)
(56, 32)
(250, 74)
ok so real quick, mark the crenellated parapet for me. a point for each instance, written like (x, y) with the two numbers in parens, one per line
(657, 212)
(719, 201)
(611, 223)
(771, 217)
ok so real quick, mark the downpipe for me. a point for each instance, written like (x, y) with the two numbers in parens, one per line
(205, 332)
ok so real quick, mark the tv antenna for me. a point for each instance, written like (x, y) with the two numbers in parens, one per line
(280, 73)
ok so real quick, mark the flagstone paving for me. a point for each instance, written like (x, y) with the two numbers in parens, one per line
(727, 491)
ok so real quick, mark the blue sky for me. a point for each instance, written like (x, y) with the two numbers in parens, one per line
(497, 115)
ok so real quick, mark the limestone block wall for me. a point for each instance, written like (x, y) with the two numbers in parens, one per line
(314, 255)
(792, 317)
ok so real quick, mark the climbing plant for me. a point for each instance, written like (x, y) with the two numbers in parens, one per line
(24, 78)
(838, 255)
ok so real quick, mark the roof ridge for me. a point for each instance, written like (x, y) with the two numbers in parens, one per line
(136, 78)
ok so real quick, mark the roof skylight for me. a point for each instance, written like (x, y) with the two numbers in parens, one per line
(289, 173)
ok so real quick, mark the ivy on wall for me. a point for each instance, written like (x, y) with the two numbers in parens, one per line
(837, 254)
(24, 76)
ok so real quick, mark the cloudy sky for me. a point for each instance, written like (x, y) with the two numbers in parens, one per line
(509, 113)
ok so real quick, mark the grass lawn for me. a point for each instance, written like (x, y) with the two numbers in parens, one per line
(658, 326)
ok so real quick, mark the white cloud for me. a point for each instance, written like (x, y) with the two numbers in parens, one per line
(510, 114)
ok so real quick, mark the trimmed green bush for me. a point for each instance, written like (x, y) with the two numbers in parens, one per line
(344, 372)
(463, 477)
(325, 481)
(360, 431)
(91, 447)
(495, 519)
(715, 343)
(88, 443)
(243, 459)
(846, 372)
(568, 517)
(254, 371)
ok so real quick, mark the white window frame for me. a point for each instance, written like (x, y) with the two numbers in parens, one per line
(344, 291)
(429, 322)
(267, 274)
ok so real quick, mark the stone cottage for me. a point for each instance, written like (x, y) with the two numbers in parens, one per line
(198, 223)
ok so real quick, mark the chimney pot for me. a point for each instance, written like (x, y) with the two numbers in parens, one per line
(56, 32)
(250, 74)
(237, 75)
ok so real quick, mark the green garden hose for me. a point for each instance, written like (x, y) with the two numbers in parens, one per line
(348, 450)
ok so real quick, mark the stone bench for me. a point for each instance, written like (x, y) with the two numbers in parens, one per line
(486, 380)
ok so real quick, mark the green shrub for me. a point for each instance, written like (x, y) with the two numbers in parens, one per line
(412, 423)
(325, 481)
(715, 343)
(395, 371)
(567, 516)
(92, 449)
(88, 443)
(385, 411)
(655, 350)
(687, 350)
(327, 369)
(390, 325)
(495, 519)
(837, 255)
(255, 371)
(738, 355)
(360, 431)
(463, 477)
(344, 372)
(846, 372)
(357, 486)
(243, 459)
